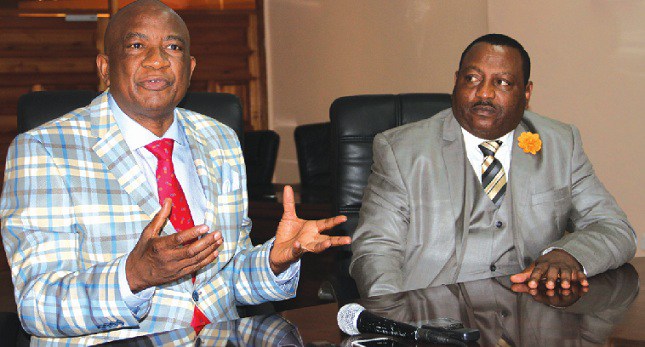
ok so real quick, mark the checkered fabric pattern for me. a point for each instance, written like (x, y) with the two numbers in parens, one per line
(73, 205)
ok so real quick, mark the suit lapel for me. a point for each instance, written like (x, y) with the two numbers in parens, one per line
(454, 159)
(210, 178)
(112, 149)
(523, 169)
(207, 168)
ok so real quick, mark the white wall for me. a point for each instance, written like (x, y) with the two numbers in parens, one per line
(588, 59)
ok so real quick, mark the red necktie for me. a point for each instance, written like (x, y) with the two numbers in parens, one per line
(180, 217)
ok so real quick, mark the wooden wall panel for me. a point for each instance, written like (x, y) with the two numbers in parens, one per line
(40, 65)
(220, 44)
(55, 39)
(58, 5)
(48, 53)
(41, 53)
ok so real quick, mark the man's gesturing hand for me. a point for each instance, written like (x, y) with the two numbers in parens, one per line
(296, 236)
(553, 266)
(158, 259)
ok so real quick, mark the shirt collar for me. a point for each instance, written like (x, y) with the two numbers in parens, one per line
(135, 135)
(471, 140)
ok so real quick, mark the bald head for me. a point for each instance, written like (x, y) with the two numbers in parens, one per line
(147, 62)
(120, 21)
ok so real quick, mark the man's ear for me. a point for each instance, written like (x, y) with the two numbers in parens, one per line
(103, 66)
(527, 93)
(193, 62)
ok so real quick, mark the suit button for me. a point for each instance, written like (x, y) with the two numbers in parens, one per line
(198, 342)
(499, 224)
(196, 296)
(493, 267)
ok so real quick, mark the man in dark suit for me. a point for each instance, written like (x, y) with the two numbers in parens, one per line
(485, 189)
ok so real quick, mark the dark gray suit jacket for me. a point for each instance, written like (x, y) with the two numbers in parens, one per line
(415, 212)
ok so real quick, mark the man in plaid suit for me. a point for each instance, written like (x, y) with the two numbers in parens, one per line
(92, 256)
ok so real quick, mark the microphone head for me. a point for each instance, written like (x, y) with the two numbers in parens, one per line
(348, 317)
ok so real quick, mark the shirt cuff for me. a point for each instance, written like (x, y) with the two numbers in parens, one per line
(288, 279)
(552, 248)
(139, 304)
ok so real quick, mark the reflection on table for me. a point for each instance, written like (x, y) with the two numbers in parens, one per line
(507, 318)
(504, 317)
(266, 330)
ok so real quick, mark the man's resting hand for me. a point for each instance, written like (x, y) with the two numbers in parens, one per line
(551, 267)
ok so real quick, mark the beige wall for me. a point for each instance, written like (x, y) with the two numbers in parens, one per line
(319, 50)
(588, 59)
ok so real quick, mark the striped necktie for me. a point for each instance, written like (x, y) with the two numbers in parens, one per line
(493, 176)
(180, 217)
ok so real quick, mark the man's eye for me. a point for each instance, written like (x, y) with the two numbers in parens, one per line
(136, 45)
(472, 78)
(175, 47)
(504, 83)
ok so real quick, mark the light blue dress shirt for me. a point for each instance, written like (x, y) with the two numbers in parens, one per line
(137, 137)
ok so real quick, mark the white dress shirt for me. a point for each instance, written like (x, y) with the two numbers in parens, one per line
(137, 137)
(476, 157)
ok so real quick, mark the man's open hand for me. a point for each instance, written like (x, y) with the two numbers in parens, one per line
(158, 259)
(296, 236)
(551, 267)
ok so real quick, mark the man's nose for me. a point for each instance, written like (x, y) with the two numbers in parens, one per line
(486, 90)
(156, 58)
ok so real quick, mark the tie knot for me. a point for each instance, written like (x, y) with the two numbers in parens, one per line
(489, 148)
(162, 149)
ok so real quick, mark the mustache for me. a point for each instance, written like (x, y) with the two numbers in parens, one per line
(485, 104)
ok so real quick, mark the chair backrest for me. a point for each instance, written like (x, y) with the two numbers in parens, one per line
(223, 107)
(355, 120)
(260, 155)
(313, 142)
(36, 108)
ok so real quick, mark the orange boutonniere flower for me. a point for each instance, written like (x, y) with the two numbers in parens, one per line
(529, 142)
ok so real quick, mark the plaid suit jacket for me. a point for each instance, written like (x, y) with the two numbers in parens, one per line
(73, 206)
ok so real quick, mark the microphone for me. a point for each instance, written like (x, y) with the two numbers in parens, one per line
(353, 319)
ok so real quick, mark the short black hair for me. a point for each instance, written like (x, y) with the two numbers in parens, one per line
(503, 40)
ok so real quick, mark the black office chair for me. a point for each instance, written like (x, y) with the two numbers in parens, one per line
(36, 108)
(313, 151)
(260, 155)
(355, 120)
(223, 107)
(11, 331)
